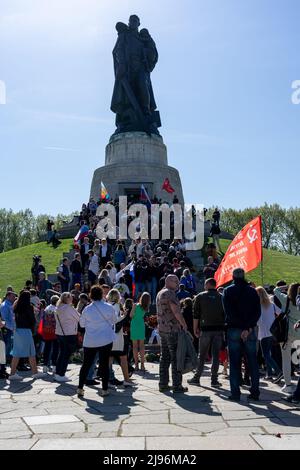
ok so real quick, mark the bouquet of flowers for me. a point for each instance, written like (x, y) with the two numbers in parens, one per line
(152, 321)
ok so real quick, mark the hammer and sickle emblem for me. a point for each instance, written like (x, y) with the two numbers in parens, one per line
(252, 235)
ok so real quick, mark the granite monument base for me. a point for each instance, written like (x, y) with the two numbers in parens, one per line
(133, 159)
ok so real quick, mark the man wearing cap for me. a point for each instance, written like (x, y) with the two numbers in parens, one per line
(242, 312)
(170, 322)
(7, 316)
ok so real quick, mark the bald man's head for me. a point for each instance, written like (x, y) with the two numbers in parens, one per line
(172, 282)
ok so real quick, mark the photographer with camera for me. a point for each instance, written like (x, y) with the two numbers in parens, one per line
(36, 269)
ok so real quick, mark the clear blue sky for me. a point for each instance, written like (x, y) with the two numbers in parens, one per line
(222, 85)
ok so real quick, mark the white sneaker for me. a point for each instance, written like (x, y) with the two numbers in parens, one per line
(129, 384)
(45, 369)
(288, 389)
(15, 377)
(60, 378)
(39, 375)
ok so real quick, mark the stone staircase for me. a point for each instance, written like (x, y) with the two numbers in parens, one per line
(198, 264)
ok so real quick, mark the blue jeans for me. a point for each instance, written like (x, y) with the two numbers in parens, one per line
(271, 364)
(151, 287)
(8, 340)
(76, 279)
(235, 348)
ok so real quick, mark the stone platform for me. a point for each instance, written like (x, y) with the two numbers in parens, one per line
(132, 159)
(43, 414)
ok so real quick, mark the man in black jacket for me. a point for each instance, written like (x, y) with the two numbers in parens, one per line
(104, 253)
(76, 270)
(209, 325)
(242, 312)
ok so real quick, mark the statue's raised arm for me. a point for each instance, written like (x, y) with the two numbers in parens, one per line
(135, 56)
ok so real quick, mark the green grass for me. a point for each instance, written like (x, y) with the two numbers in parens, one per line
(15, 265)
(276, 266)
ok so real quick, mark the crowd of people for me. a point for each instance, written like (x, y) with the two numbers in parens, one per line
(111, 294)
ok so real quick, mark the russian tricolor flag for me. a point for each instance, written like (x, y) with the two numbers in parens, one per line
(145, 196)
(83, 232)
(131, 271)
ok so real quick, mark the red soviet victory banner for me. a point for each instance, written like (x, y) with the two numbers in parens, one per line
(245, 252)
(167, 186)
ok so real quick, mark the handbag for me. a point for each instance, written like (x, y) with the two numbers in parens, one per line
(280, 326)
(40, 328)
(110, 324)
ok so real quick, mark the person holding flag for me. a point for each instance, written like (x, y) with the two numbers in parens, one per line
(242, 304)
(82, 233)
(242, 312)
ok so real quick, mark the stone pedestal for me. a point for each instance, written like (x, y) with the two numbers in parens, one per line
(132, 159)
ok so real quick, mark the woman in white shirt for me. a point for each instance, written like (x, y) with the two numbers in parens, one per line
(269, 311)
(288, 302)
(98, 319)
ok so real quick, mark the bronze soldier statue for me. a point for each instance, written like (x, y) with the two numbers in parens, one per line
(135, 56)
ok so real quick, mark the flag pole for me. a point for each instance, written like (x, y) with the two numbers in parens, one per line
(262, 271)
(262, 255)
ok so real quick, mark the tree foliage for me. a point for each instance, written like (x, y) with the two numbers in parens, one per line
(23, 228)
(281, 227)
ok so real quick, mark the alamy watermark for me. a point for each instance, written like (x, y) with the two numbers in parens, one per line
(295, 97)
(2, 92)
(155, 222)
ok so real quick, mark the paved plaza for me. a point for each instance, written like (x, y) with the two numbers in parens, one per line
(43, 414)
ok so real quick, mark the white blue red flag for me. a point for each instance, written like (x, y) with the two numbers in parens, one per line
(145, 197)
(83, 232)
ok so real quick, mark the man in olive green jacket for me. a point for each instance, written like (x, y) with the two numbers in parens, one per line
(209, 326)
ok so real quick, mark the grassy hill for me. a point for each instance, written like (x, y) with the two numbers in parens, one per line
(276, 265)
(15, 265)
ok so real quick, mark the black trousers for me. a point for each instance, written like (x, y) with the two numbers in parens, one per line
(67, 345)
(88, 359)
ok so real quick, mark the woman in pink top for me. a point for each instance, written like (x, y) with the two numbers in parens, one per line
(67, 319)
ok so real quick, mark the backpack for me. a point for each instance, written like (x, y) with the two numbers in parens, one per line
(280, 326)
(49, 325)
